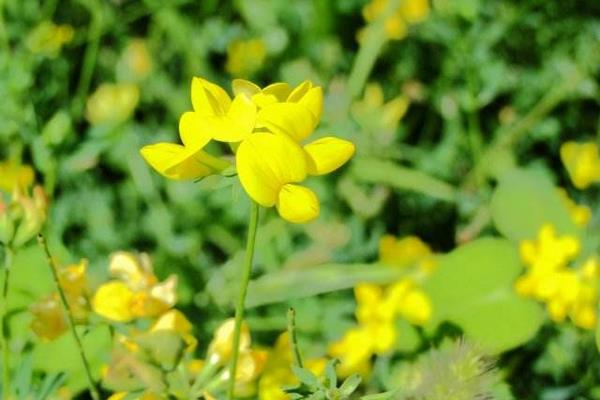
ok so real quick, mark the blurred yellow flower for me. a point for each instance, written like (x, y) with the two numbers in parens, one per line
(566, 291)
(112, 103)
(49, 320)
(136, 293)
(48, 38)
(13, 175)
(582, 162)
(219, 349)
(580, 214)
(245, 57)
(396, 26)
(278, 373)
(175, 321)
(407, 251)
(23, 216)
(136, 61)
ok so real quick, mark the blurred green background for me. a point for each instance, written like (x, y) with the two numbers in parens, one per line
(474, 89)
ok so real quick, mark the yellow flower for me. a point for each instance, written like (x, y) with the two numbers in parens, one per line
(245, 57)
(23, 217)
(270, 123)
(278, 373)
(13, 175)
(186, 162)
(566, 291)
(174, 320)
(48, 38)
(582, 162)
(136, 292)
(406, 252)
(219, 349)
(49, 321)
(396, 26)
(112, 103)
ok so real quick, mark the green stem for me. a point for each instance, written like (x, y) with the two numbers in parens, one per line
(205, 375)
(369, 49)
(294, 338)
(86, 365)
(89, 58)
(239, 309)
(8, 260)
(3, 34)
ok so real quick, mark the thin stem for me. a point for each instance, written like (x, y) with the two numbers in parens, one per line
(86, 365)
(8, 260)
(90, 56)
(369, 49)
(239, 309)
(293, 338)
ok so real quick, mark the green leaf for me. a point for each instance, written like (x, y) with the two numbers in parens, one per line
(290, 284)
(473, 288)
(523, 201)
(96, 344)
(350, 385)
(306, 377)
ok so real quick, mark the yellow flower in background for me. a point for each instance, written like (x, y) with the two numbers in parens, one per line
(112, 103)
(136, 61)
(49, 320)
(278, 373)
(409, 12)
(580, 214)
(48, 38)
(245, 57)
(582, 162)
(175, 321)
(136, 293)
(219, 349)
(549, 278)
(406, 252)
(23, 216)
(14, 175)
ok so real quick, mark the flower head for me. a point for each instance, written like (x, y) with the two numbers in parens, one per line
(582, 162)
(112, 103)
(396, 26)
(268, 125)
(245, 57)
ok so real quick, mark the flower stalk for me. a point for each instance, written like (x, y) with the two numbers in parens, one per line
(239, 309)
(291, 315)
(8, 260)
(86, 365)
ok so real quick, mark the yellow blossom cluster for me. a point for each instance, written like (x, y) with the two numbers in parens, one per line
(582, 161)
(408, 12)
(278, 373)
(379, 307)
(245, 57)
(112, 103)
(135, 292)
(549, 278)
(266, 128)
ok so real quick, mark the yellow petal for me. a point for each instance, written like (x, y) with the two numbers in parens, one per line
(112, 300)
(292, 119)
(172, 320)
(241, 118)
(191, 131)
(313, 100)
(174, 162)
(297, 204)
(209, 99)
(280, 90)
(242, 86)
(127, 268)
(328, 154)
(266, 162)
(220, 347)
(299, 91)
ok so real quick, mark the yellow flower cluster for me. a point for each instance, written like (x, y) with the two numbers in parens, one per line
(23, 214)
(566, 291)
(245, 57)
(582, 162)
(266, 127)
(277, 372)
(48, 38)
(49, 321)
(378, 307)
(396, 26)
(135, 293)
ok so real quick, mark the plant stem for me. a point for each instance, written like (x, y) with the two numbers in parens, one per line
(239, 309)
(293, 338)
(369, 49)
(8, 260)
(92, 386)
